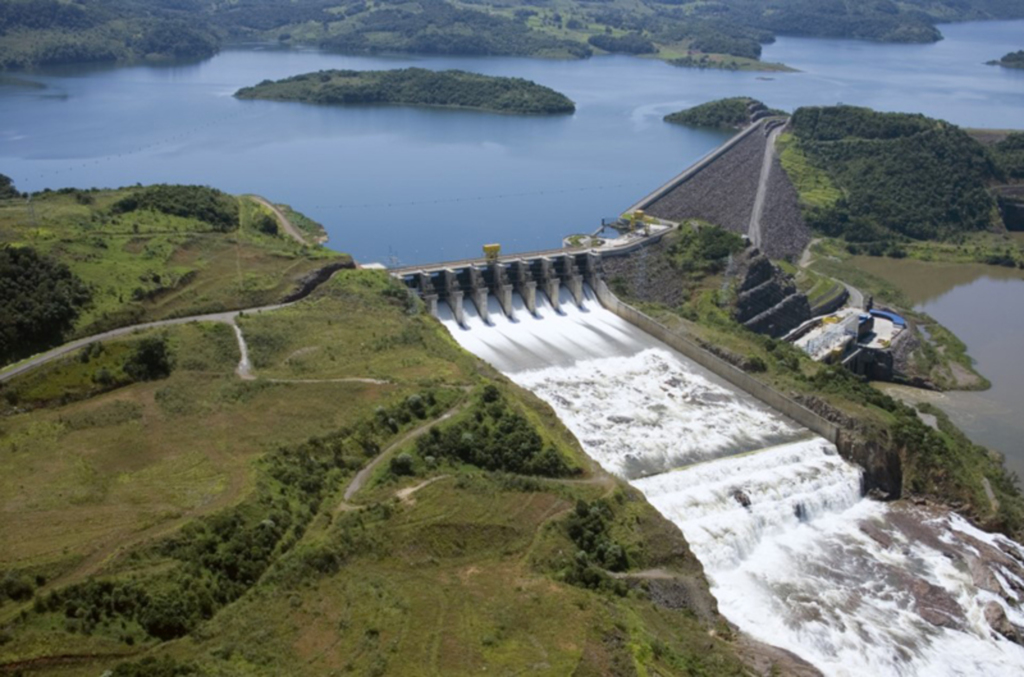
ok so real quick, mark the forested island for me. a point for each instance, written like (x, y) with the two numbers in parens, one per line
(1011, 60)
(732, 113)
(415, 87)
(725, 34)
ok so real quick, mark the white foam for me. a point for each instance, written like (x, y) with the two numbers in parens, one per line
(807, 565)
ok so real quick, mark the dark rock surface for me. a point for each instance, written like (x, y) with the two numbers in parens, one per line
(722, 193)
(768, 301)
(784, 233)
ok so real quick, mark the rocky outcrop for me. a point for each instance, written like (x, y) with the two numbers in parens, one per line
(1011, 206)
(883, 466)
(307, 284)
(784, 233)
(767, 300)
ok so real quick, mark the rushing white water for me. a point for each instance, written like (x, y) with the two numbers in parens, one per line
(795, 556)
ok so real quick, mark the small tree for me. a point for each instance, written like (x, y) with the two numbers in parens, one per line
(402, 465)
(151, 360)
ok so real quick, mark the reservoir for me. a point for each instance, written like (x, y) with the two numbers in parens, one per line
(418, 185)
(984, 306)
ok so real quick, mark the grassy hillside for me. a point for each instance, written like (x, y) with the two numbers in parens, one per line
(198, 523)
(415, 87)
(885, 177)
(163, 251)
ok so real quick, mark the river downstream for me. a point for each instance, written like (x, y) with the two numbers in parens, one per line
(984, 306)
(796, 557)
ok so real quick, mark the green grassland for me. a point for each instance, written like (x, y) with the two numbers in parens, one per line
(198, 520)
(147, 265)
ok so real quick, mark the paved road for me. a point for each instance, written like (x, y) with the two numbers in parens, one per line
(38, 360)
(754, 232)
(290, 229)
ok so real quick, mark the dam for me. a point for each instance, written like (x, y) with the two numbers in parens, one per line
(796, 552)
(796, 555)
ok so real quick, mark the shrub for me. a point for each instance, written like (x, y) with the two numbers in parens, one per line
(151, 360)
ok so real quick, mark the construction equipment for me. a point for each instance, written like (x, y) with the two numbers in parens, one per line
(491, 252)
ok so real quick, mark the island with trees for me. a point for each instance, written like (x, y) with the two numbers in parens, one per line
(415, 87)
(1011, 60)
(732, 113)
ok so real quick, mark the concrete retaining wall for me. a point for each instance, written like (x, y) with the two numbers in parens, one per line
(718, 366)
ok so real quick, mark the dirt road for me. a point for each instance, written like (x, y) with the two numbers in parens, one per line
(282, 220)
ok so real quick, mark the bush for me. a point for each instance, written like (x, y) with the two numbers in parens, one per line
(16, 587)
(402, 465)
(151, 360)
(494, 438)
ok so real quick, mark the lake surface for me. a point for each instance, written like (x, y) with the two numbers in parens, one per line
(984, 307)
(421, 185)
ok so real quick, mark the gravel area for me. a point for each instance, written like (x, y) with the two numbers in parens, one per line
(724, 192)
(784, 232)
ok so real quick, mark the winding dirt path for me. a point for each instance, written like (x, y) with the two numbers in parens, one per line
(282, 220)
(363, 475)
(60, 351)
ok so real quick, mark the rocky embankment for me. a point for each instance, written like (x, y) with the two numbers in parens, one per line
(767, 301)
(784, 233)
(722, 193)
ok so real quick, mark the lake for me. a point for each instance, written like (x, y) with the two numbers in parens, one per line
(984, 307)
(402, 185)
(417, 185)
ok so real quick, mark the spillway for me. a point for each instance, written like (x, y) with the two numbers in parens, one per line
(796, 557)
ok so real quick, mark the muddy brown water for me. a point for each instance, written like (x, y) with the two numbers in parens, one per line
(984, 306)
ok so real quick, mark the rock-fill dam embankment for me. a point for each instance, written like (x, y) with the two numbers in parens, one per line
(722, 189)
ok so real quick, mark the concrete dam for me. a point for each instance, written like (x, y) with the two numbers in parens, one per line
(797, 556)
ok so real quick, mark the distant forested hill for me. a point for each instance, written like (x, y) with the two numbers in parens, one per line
(871, 177)
(42, 32)
(415, 87)
(722, 33)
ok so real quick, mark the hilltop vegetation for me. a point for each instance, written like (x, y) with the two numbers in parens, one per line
(871, 177)
(732, 113)
(197, 523)
(727, 33)
(40, 299)
(139, 254)
(415, 87)
(43, 32)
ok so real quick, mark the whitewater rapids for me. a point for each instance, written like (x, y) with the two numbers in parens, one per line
(794, 554)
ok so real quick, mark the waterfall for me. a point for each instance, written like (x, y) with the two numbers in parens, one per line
(794, 555)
